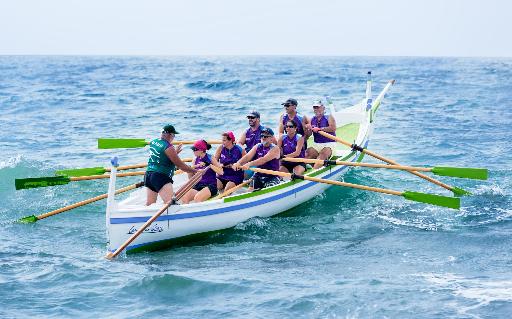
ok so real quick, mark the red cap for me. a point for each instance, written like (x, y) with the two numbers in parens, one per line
(200, 145)
(230, 135)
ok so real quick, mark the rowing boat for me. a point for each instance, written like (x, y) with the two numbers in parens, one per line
(180, 223)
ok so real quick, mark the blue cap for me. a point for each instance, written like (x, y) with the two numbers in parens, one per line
(267, 131)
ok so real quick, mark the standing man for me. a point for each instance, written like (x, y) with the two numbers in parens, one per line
(162, 162)
(290, 107)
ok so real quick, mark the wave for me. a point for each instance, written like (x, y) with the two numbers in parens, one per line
(174, 287)
(93, 94)
(489, 190)
(217, 85)
(482, 290)
(200, 100)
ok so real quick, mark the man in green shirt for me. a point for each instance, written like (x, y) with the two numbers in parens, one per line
(162, 162)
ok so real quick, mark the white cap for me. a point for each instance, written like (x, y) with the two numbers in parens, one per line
(318, 103)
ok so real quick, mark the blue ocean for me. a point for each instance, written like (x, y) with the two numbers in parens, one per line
(345, 254)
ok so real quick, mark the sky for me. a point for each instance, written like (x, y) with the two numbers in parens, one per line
(259, 27)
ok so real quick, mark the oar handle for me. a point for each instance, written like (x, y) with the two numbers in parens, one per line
(127, 167)
(142, 165)
(326, 181)
(337, 139)
(233, 189)
(85, 178)
(182, 191)
(192, 142)
(450, 202)
(88, 201)
(388, 166)
(425, 177)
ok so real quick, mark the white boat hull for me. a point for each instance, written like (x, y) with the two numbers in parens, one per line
(182, 221)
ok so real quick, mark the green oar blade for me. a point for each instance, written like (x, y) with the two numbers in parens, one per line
(444, 201)
(25, 183)
(81, 171)
(107, 143)
(462, 172)
(28, 219)
(460, 192)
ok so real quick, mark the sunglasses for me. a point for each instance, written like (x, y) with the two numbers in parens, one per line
(194, 148)
(290, 126)
(265, 136)
(287, 105)
(316, 106)
(251, 117)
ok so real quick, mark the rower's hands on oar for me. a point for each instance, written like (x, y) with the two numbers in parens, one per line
(199, 165)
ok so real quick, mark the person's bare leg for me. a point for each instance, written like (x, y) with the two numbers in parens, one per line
(166, 193)
(150, 197)
(229, 185)
(299, 170)
(219, 184)
(189, 196)
(325, 153)
(202, 195)
(311, 153)
(285, 170)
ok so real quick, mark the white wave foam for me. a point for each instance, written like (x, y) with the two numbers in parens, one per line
(483, 291)
(490, 190)
(11, 162)
(253, 222)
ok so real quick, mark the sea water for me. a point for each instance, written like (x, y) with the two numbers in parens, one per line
(346, 253)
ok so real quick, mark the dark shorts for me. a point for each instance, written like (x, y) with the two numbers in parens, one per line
(225, 182)
(259, 182)
(212, 188)
(291, 165)
(155, 181)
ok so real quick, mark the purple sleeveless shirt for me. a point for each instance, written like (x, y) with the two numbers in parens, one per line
(252, 137)
(323, 122)
(209, 177)
(231, 157)
(272, 165)
(297, 120)
(290, 145)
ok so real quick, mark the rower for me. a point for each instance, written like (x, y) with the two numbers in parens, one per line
(162, 162)
(290, 107)
(227, 155)
(263, 155)
(322, 147)
(207, 186)
(252, 136)
(292, 146)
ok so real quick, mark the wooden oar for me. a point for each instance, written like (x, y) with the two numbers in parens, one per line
(182, 191)
(33, 218)
(462, 172)
(450, 202)
(232, 190)
(101, 170)
(34, 182)
(108, 143)
(457, 191)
